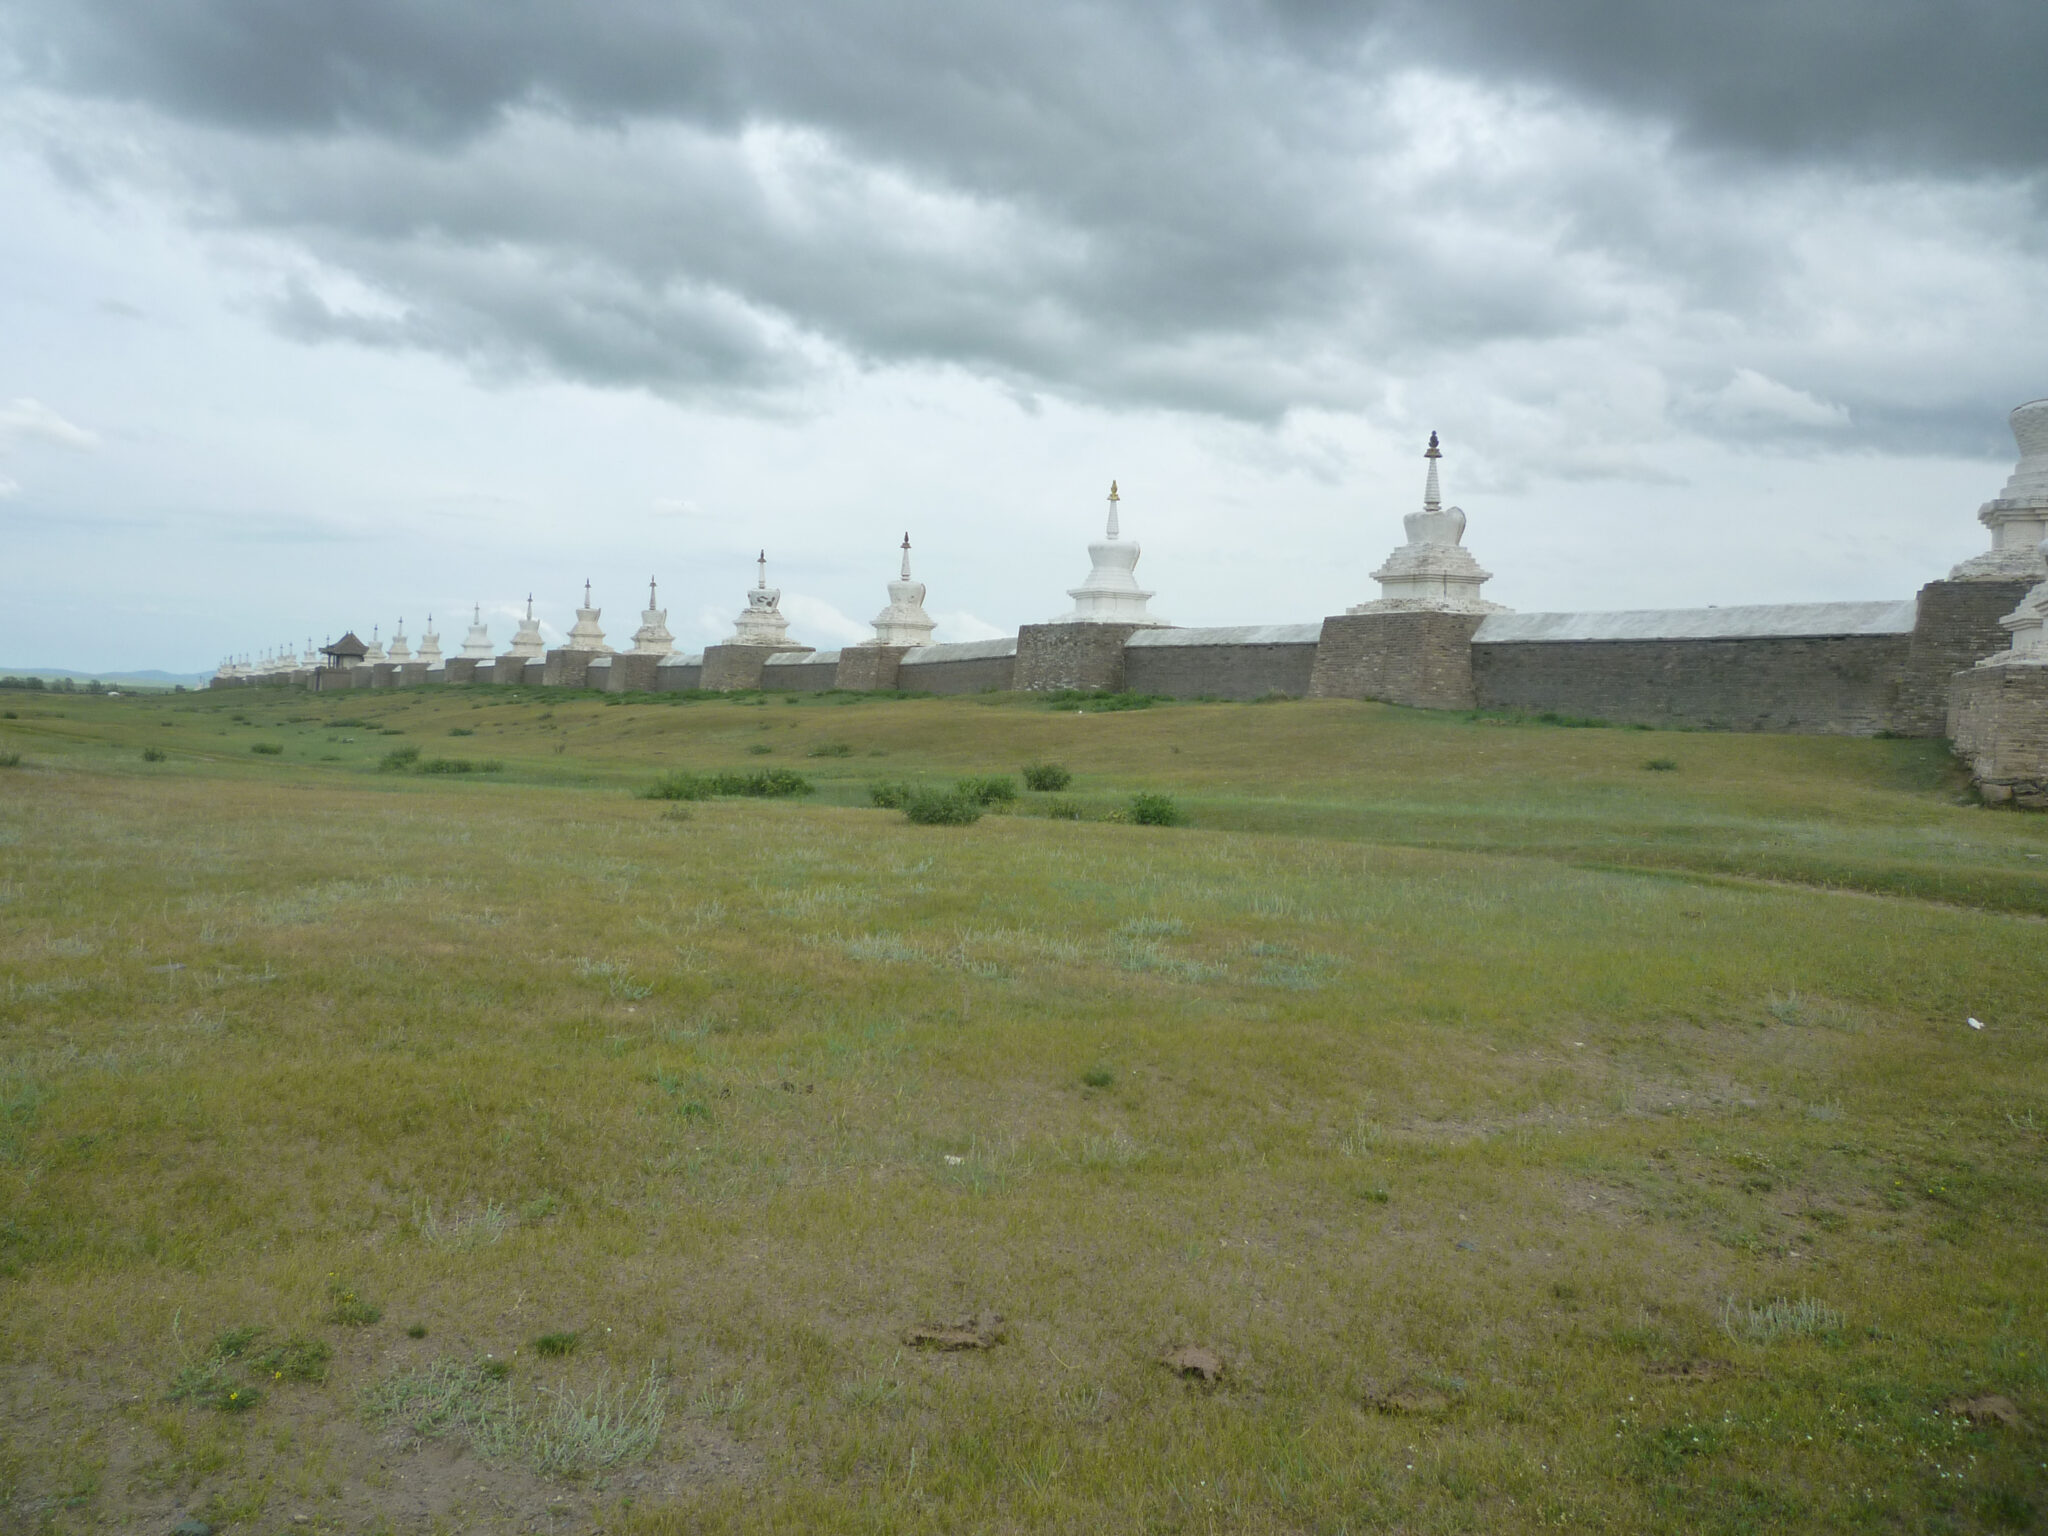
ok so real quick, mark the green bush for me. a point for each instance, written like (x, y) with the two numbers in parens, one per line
(988, 789)
(830, 749)
(460, 765)
(759, 783)
(1154, 811)
(10, 759)
(1063, 810)
(1661, 765)
(1101, 701)
(942, 808)
(154, 754)
(891, 794)
(266, 748)
(1046, 776)
(400, 759)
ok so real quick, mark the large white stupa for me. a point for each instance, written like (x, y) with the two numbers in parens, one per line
(1111, 594)
(761, 621)
(400, 651)
(1433, 572)
(2018, 515)
(652, 637)
(375, 653)
(904, 621)
(430, 645)
(476, 646)
(586, 636)
(526, 640)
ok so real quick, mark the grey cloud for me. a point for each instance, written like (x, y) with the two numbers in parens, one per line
(1234, 208)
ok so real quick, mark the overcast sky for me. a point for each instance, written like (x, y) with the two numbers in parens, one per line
(319, 313)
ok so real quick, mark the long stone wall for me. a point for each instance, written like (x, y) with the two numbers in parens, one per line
(973, 666)
(1956, 626)
(1243, 662)
(801, 672)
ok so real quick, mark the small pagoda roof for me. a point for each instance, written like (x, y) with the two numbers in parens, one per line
(347, 645)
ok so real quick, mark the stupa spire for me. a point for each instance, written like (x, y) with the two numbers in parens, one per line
(1113, 500)
(1432, 497)
(906, 556)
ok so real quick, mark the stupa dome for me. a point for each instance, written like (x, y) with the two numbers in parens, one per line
(904, 621)
(585, 636)
(761, 621)
(526, 640)
(476, 645)
(652, 637)
(430, 645)
(1433, 572)
(1111, 594)
(2018, 515)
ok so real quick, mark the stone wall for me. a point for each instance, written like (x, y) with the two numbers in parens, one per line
(1998, 720)
(974, 666)
(731, 668)
(1245, 662)
(800, 671)
(564, 669)
(632, 673)
(679, 674)
(1418, 659)
(1809, 684)
(869, 668)
(460, 669)
(1955, 626)
(1055, 656)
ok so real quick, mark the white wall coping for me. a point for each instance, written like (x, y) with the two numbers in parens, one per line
(1755, 622)
(1231, 634)
(961, 650)
(677, 659)
(800, 658)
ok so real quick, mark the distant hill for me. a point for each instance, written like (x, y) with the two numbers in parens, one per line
(140, 679)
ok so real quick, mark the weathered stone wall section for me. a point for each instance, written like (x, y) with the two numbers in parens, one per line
(1055, 656)
(460, 669)
(731, 668)
(814, 674)
(677, 676)
(1220, 671)
(1811, 684)
(1955, 626)
(1419, 659)
(975, 674)
(564, 668)
(1998, 720)
(631, 673)
(869, 668)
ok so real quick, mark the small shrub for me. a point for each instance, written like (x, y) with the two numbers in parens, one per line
(154, 754)
(296, 1359)
(347, 1308)
(1098, 1077)
(460, 730)
(1154, 811)
(266, 748)
(1661, 765)
(556, 1344)
(988, 789)
(760, 784)
(416, 1331)
(759, 749)
(1046, 776)
(447, 765)
(679, 786)
(1099, 701)
(1574, 722)
(399, 759)
(10, 759)
(890, 794)
(830, 749)
(1778, 1320)
(942, 808)
(1063, 810)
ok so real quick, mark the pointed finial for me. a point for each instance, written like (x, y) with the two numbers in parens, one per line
(650, 591)
(1113, 500)
(529, 605)
(1433, 452)
(906, 555)
(586, 592)
(476, 614)
(1432, 498)
(762, 580)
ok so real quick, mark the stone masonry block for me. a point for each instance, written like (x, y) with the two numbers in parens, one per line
(1055, 656)
(1998, 721)
(1955, 626)
(1419, 659)
(869, 668)
(731, 668)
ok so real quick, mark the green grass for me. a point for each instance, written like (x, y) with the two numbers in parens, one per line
(1539, 1142)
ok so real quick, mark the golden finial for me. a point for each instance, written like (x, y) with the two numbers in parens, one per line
(1112, 492)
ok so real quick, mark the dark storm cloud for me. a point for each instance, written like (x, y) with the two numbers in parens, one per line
(1238, 208)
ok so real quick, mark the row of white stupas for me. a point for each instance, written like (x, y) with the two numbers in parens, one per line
(1431, 572)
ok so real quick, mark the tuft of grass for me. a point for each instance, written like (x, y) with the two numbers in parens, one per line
(460, 765)
(416, 1331)
(266, 748)
(1047, 776)
(460, 1234)
(296, 1359)
(1661, 765)
(346, 1306)
(557, 1343)
(1098, 1077)
(1061, 810)
(891, 794)
(461, 730)
(1776, 1321)
(942, 808)
(399, 759)
(830, 749)
(154, 754)
(568, 1433)
(759, 749)
(1154, 811)
(1102, 701)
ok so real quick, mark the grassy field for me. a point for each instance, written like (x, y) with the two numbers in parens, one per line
(1535, 1139)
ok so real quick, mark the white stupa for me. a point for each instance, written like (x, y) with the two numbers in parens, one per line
(904, 621)
(375, 653)
(400, 651)
(430, 645)
(2018, 515)
(1111, 594)
(527, 642)
(586, 636)
(1433, 572)
(652, 637)
(309, 657)
(2028, 626)
(476, 646)
(761, 621)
